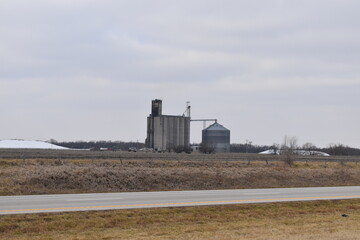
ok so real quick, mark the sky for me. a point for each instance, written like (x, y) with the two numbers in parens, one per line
(88, 70)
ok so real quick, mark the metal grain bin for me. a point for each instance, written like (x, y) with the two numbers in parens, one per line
(217, 136)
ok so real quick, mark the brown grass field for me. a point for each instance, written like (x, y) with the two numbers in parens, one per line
(319, 220)
(29, 172)
(46, 172)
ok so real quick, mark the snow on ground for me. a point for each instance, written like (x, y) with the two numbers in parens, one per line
(298, 152)
(28, 144)
(270, 151)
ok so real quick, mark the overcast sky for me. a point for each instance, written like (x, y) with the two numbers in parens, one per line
(88, 70)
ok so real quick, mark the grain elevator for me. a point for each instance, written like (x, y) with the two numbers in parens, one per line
(166, 132)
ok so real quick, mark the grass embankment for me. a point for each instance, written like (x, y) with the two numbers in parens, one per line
(48, 176)
(296, 220)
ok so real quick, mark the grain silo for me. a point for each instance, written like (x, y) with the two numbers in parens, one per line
(166, 132)
(217, 136)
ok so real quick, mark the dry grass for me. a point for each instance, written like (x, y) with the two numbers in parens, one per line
(296, 220)
(45, 176)
(41, 172)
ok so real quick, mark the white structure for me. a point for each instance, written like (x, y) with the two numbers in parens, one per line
(24, 144)
(297, 152)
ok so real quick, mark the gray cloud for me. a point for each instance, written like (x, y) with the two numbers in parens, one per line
(87, 69)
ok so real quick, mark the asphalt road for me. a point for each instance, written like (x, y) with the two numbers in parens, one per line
(129, 200)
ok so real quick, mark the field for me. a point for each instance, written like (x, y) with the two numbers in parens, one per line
(44, 172)
(48, 172)
(320, 220)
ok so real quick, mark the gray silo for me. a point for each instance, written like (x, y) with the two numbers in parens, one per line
(217, 136)
(166, 132)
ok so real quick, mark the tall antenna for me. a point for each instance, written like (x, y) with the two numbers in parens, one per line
(187, 110)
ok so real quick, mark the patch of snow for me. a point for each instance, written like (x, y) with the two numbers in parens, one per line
(298, 152)
(312, 153)
(270, 151)
(25, 144)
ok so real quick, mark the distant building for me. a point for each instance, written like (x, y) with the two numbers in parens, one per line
(166, 132)
(195, 148)
(217, 136)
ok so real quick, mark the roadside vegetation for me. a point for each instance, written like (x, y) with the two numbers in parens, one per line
(49, 172)
(320, 220)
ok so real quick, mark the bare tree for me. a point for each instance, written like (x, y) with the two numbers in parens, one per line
(339, 149)
(207, 148)
(290, 144)
(309, 147)
(288, 149)
(248, 144)
(275, 148)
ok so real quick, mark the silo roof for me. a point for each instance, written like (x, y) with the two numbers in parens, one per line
(216, 127)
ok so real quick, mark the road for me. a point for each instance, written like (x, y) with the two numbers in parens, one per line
(129, 200)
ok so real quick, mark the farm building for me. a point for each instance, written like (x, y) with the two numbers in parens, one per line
(166, 132)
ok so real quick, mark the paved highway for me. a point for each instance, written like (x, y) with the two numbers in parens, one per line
(128, 200)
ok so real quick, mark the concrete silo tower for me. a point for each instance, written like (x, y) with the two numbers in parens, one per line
(166, 132)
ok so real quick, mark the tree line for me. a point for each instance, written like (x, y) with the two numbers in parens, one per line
(290, 144)
(248, 147)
